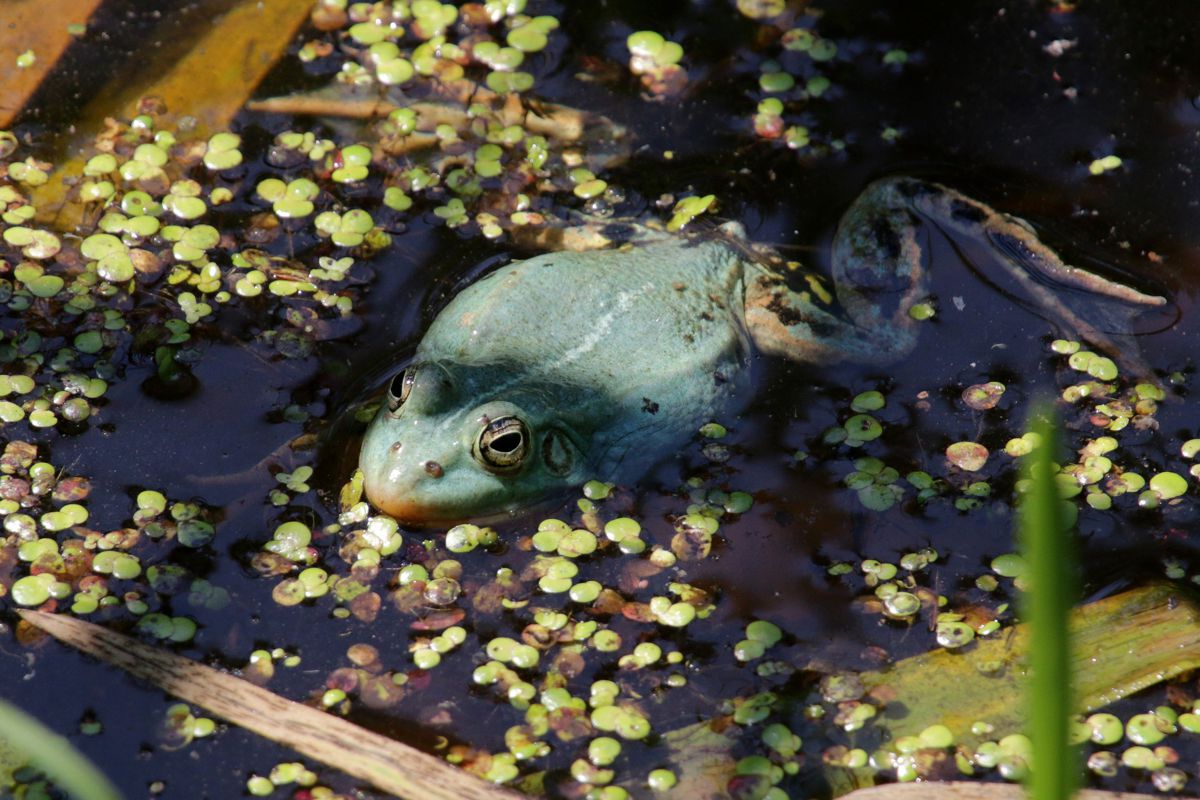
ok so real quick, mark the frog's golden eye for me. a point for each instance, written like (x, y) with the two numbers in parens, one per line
(502, 444)
(399, 389)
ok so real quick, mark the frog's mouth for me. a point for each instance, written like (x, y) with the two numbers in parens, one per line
(415, 514)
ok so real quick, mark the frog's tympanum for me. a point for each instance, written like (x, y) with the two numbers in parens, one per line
(578, 365)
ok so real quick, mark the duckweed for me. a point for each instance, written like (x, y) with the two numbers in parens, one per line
(291, 540)
(37, 548)
(292, 772)
(922, 311)
(626, 722)
(760, 636)
(289, 200)
(622, 528)
(1148, 729)
(565, 552)
(773, 80)
(656, 61)
(606, 641)
(509, 651)
(167, 628)
(643, 655)
(577, 543)
(428, 654)
(861, 428)
(442, 591)
(761, 9)
(673, 615)
(585, 591)
(182, 726)
(983, 396)
(1010, 565)
(900, 605)
(875, 484)
(877, 571)
(1104, 164)
(866, 402)
(531, 36)
(33, 590)
(1139, 757)
(1103, 728)
(952, 633)
(117, 564)
(1168, 485)
(768, 119)
(967, 456)
(596, 490)
(688, 209)
(661, 780)
(738, 502)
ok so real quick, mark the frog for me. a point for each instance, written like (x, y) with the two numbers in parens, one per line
(597, 362)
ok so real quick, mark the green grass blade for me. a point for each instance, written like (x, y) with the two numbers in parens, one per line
(54, 756)
(1047, 606)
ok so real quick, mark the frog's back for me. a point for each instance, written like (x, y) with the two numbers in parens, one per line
(604, 313)
(655, 333)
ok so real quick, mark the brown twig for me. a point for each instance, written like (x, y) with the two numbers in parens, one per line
(209, 82)
(547, 119)
(41, 27)
(388, 765)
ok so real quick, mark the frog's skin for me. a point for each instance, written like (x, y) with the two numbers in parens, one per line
(578, 365)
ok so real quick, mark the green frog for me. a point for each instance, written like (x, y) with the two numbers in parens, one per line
(569, 366)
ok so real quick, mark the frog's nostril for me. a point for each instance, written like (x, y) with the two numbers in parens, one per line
(396, 447)
(434, 469)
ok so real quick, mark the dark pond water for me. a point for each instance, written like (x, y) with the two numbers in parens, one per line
(981, 105)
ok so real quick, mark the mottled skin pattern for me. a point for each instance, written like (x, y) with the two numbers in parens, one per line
(557, 340)
(577, 365)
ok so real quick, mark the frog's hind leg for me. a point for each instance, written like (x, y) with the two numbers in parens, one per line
(787, 323)
(880, 271)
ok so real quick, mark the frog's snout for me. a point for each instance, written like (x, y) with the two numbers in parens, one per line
(447, 468)
(396, 492)
(405, 484)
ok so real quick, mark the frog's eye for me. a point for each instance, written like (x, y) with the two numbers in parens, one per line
(502, 444)
(399, 389)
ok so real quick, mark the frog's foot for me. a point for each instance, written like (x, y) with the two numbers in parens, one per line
(880, 271)
(790, 324)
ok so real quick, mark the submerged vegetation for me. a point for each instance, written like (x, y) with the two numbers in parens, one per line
(591, 636)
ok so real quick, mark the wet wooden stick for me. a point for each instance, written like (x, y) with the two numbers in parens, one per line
(40, 27)
(388, 765)
(548, 119)
(209, 83)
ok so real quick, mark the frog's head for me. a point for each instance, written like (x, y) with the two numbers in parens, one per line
(436, 454)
